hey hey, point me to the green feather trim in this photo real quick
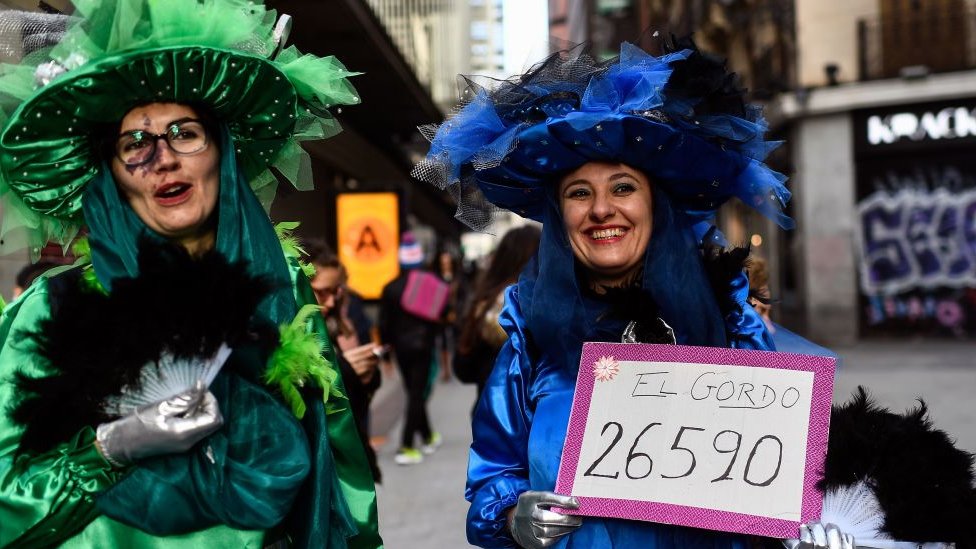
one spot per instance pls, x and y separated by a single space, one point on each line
292 247
298 360
90 282
81 249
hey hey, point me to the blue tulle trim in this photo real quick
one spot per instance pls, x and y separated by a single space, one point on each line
505 144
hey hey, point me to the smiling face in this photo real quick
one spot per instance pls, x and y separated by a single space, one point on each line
173 194
607 214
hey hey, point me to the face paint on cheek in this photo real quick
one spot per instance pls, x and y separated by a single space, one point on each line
142 162
150 165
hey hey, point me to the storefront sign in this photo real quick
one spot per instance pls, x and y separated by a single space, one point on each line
946 123
711 438
368 234
915 127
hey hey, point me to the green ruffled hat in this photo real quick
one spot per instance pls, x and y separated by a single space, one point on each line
120 53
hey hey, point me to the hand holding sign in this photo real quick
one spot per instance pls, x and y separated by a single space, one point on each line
712 438
534 525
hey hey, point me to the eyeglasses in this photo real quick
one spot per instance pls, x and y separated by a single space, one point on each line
137 147
323 293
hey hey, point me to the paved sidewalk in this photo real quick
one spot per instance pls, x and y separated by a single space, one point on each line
896 373
423 506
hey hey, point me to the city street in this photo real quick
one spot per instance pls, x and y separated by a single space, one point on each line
423 506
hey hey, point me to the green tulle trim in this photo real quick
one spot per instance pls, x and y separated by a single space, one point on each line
298 361
25 229
123 52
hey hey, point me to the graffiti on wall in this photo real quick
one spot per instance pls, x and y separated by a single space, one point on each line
917 239
918 256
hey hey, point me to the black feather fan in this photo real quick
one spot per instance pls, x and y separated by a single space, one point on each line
97 344
923 483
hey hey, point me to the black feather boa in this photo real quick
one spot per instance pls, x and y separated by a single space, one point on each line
96 344
705 79
722 267
923 483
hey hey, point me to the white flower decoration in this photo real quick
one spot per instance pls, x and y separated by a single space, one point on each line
606 368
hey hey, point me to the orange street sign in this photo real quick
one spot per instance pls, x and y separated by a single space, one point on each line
368 231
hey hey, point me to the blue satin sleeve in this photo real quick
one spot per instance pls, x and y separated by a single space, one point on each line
744 326
498 461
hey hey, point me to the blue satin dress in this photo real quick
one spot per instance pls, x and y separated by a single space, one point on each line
519 428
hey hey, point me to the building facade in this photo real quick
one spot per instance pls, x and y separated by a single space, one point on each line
883 123
435 38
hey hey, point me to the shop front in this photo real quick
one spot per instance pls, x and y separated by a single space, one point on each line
915 219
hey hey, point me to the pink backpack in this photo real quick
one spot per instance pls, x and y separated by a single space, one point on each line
425 295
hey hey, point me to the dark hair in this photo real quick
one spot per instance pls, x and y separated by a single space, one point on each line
321 256
514 251
320 253
30 272
106 134
455 261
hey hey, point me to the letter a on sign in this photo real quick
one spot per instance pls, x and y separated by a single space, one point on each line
368 228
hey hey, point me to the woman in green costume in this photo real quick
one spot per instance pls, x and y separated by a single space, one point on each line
171 388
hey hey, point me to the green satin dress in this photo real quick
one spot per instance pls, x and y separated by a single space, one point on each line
67 496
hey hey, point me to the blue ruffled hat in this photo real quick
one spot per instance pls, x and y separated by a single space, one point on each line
677 117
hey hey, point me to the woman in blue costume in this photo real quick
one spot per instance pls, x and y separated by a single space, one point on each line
155 125
624 162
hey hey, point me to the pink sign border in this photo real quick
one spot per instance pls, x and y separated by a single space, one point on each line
811 507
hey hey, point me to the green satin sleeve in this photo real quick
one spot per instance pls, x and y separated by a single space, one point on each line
50 499
44 499
354 476
53 492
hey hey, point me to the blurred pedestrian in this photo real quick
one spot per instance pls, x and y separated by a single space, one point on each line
448 268
481 336
358 358
412 339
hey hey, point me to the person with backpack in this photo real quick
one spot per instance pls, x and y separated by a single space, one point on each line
410 309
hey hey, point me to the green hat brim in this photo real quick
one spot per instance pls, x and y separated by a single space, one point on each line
48 150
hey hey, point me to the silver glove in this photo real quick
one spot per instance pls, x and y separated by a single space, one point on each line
166 427
534 526
815 535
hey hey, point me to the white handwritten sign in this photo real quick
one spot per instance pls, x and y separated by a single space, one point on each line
712 438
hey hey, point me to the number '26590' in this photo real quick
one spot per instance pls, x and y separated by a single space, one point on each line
640 465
